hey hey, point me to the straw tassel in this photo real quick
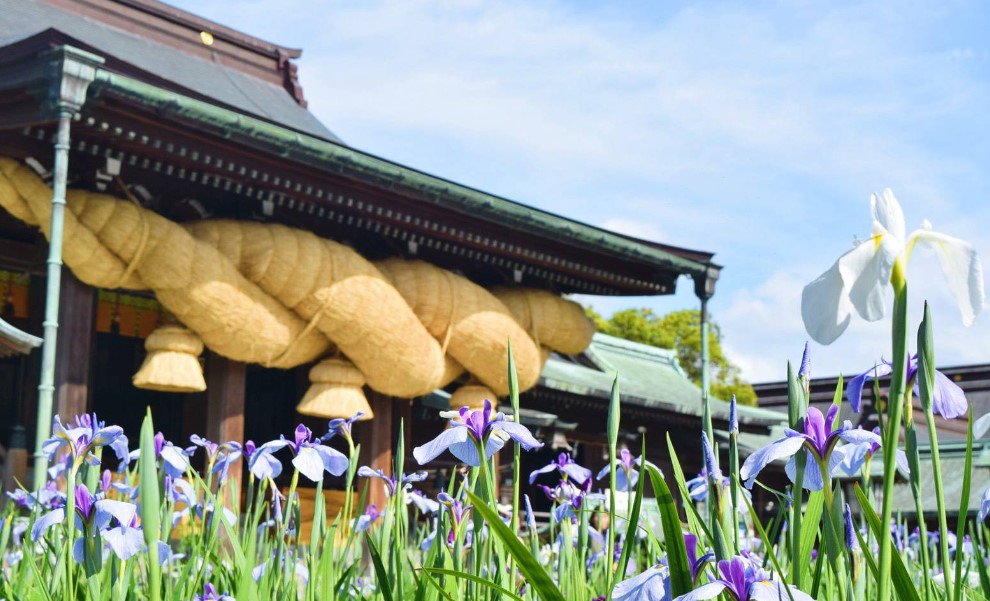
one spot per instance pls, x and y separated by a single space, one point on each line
172 364
336 390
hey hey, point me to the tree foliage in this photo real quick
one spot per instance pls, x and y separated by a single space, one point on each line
681 331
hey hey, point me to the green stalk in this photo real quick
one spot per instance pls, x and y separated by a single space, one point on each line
964 507
914 462
70 522
516 455
893 429
926 385
613 456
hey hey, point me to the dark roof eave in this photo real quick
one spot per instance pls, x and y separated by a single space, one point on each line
329 156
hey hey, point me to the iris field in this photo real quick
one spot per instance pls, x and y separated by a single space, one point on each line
154 528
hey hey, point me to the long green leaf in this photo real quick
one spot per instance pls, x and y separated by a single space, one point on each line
384 584
680 570
629 541
964 500
531 569
899 576
149 498
809 532
476 580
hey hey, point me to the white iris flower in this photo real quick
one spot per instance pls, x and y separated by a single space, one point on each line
857 281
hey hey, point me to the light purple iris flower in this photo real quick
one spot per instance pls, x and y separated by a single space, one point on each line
392 483
342 427
312 459
818 439
470 430
458 514
654 584
175 460
855 455
567 468
94 517
219 456
367 519
82 441
984 506
948 399
742 580
210 594
627 476
423 503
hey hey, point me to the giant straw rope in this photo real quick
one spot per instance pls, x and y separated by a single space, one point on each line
282 297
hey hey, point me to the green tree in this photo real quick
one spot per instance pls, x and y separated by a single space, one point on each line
681 330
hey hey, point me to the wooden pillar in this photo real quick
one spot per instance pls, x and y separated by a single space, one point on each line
77 331
225 387
376 442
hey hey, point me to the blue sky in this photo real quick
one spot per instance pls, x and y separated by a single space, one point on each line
756 130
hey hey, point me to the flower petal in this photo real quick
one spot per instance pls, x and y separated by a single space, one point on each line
705 591
854 389
123 512
888 214
984 506
46 521
961 267
778 449
309 463
825 307
124 542
865 274
651 585
546 469
431 450
520 434
768 590
334 461
949 400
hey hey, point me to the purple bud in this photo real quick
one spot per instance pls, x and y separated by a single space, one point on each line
84 502
159 444
852 542
805 371
106 481
733 416
711 462
303 435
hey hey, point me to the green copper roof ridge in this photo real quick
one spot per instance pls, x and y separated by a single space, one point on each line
328 155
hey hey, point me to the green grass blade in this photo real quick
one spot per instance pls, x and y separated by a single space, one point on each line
633 523
809 532
475 579
149 497
964 502
899 576
680 570
531 569
384 586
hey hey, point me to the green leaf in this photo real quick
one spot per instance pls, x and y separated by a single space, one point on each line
680 570
149 498
964 501
475 579
531 569
899 576
809 532
384 586
633 522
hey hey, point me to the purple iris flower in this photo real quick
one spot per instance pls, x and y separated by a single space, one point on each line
818 439
567 468
984 506
311 457
742 580
627 476
654 584
219 457
367 519
458 514
948 399
210 594
82 440
855 455
94 517
471 430
530 516
423 503
175 460
342 427
49 497
392 483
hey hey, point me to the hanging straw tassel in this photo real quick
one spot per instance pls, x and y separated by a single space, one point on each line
172 364
473 396
335 391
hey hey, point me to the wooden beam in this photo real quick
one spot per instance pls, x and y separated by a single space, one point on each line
375 437
76 335
225 387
